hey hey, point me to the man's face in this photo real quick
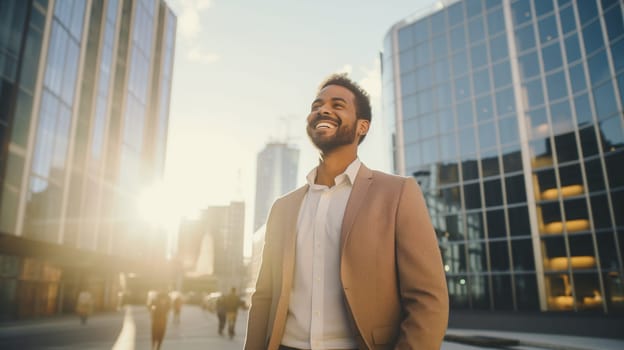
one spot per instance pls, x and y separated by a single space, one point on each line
332 120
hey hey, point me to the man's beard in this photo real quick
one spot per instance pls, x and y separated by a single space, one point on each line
344 135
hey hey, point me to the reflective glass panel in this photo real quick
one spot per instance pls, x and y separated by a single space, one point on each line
538 120
525 38
598 68
484 108
617 198
529 65
467 141
557 87
600 212
481 81
527 298
512 159
607 251
487 136
541 153
614 22
458 38
489 163
604 101
589 143
566 147
508 130
475 29
460 63
405 38
519 224
502 74
465 115
462 88
478 55
573 49
533 94
499 257
472 196
583 109
455 13
548 29
515 189
470 169
577 78
479 284
505 103
438 22
496 21
568 22
551 56
498 48
521 11
587 11
617 52
543 7
447 122
592 36
473 8
440 48
493 198
611 134
561 117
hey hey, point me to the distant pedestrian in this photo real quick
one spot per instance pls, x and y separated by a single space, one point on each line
159 308
177 308
84 306
232 302
220 308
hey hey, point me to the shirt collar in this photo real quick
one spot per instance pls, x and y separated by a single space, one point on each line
350 173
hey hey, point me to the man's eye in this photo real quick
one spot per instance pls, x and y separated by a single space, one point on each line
338 106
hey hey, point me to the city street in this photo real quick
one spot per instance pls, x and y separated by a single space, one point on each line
122 330
129 329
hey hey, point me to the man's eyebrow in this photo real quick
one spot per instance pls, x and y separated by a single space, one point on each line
333 99
339 99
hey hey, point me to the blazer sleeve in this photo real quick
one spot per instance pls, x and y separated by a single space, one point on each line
259 311
422 282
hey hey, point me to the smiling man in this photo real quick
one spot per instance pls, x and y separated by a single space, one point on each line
350 260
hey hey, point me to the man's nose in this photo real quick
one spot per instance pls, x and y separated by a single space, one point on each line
323 110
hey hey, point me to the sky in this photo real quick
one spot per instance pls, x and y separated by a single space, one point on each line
246 72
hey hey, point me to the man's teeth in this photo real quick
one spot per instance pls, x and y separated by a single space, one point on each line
324 125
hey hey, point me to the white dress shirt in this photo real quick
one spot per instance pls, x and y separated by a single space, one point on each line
317 314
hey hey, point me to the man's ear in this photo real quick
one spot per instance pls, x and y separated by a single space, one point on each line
362 127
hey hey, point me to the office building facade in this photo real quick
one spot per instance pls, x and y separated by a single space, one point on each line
276 175
85 105
510 115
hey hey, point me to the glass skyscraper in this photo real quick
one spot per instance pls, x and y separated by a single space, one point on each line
276 175
510 115
84 111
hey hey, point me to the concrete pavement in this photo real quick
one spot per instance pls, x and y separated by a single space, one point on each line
129 329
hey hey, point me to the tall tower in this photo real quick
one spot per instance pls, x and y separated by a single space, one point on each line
509 113
276 174
84 109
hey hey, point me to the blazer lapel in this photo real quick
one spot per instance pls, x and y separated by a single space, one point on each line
290 214
358 193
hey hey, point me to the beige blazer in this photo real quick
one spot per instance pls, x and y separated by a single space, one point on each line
390 268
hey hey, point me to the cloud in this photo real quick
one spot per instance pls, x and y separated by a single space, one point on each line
347 68
189 14
196 54
371 82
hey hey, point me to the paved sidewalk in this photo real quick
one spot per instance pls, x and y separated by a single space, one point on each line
533 341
